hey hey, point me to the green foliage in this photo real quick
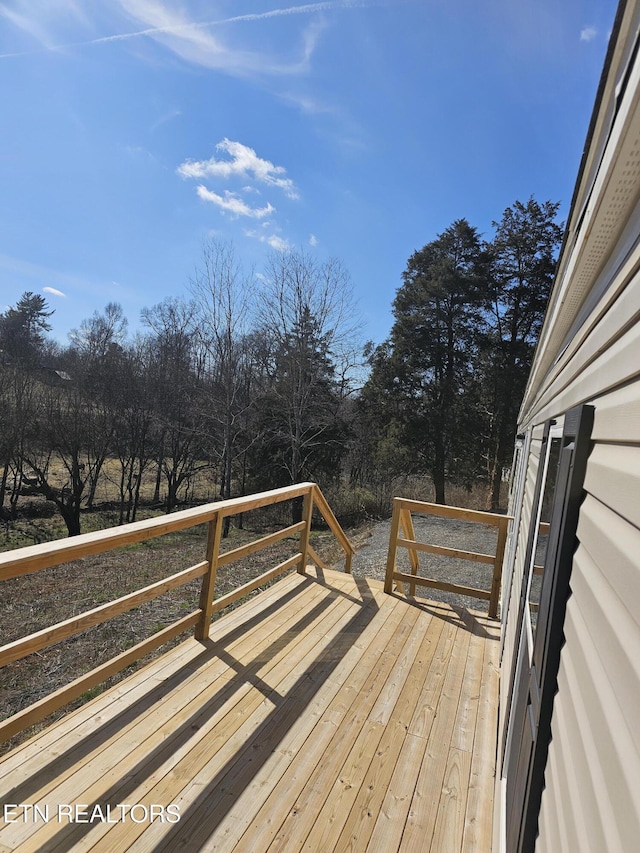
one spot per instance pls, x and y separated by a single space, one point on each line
444 389
22 329
422 379
302 434
352 504
255 393
524 259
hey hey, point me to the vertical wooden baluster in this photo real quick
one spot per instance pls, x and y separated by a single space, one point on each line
307 512
497 567
409 533
209 580
393 546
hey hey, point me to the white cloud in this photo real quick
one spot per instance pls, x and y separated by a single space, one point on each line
194 42
167 117
278 243
137 152
313 240
61 24
281 244
242 165
233 204
31 275
40 20
308 104
588 33
53 291
244 162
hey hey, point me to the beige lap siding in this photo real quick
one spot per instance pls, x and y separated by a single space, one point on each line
591 801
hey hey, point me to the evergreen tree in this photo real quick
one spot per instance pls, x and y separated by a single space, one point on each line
525 248
422 377
306 316
300 411
22 328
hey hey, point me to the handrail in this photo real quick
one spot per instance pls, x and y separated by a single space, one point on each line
36 557
46 554
19 649
402 509
327 513
446 511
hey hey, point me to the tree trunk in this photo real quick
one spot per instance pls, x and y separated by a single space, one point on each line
243 488
496 482
439 472
15 492
498 465
172 493
71 516
3 482
122 492
136 494
156 491
226 495
93 483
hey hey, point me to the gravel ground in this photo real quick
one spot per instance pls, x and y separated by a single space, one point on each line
371 558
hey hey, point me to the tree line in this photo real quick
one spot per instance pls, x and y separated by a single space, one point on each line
445 388
251 387
263 387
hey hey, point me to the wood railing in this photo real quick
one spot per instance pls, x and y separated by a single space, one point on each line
401 518
37 557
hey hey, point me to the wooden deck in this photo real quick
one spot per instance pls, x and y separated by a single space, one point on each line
322 715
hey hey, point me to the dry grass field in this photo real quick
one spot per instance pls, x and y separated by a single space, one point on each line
47 597
39 600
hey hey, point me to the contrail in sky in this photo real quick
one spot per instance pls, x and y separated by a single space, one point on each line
196 25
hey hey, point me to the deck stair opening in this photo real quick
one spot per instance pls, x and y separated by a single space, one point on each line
402 535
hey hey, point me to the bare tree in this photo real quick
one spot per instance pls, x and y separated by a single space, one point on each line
18 396
97 335
307 309
67 443
224 300
133 436
97 362
175 373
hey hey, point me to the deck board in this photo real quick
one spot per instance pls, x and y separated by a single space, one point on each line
321 715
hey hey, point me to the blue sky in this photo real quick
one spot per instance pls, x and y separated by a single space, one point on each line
131 130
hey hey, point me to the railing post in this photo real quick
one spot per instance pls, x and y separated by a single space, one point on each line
393 546
209 580
327 513
347 562
307 512
497 567
409 532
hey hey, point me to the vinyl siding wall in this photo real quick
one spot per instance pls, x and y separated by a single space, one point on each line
590 353
591 801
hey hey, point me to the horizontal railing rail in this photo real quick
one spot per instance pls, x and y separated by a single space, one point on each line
402 520
35 558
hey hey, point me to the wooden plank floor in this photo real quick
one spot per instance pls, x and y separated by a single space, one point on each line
323 715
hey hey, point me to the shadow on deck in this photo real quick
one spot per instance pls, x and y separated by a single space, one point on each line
320 715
